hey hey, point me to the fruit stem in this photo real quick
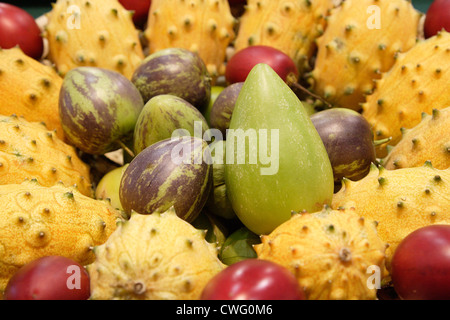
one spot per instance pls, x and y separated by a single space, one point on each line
376 143
291 81
345 255
125 148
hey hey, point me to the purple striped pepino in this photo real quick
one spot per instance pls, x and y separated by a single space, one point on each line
174 71
99 109
173 172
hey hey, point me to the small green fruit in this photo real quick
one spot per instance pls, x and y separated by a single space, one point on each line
108 186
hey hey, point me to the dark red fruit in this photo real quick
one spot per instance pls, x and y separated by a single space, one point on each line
18 28
49 278
437 18
253 279
420 266
243 61
140 8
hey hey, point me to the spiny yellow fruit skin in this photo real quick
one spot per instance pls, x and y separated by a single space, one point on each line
30 89
354 50
417 83
38 221
96 33
289 26
28 150
427 141
329 252
153 257
202 26
401 200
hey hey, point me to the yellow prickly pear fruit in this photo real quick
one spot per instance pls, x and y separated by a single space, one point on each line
289 26
401 200
427 141
30 89
417 83
38 221
28 150
153 257
96 33
333 254
202 26
361 41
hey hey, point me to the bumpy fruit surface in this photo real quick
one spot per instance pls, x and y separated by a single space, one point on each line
39 221
96 33
28 150
401 201
204 27
153 257
329 252
417 83
427 141
30 89
289 26
360 42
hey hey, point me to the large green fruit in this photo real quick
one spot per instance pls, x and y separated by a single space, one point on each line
164 114
173 172
276 162
98 109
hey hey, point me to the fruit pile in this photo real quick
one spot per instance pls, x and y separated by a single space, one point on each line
260 149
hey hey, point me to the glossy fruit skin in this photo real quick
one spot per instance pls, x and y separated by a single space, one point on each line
215 91
49 278
158 178
348 138
109 185
296 176
98 107
420 267
18 27
437 18
174 71
253 279
163 115
223 107
141 9
243 61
